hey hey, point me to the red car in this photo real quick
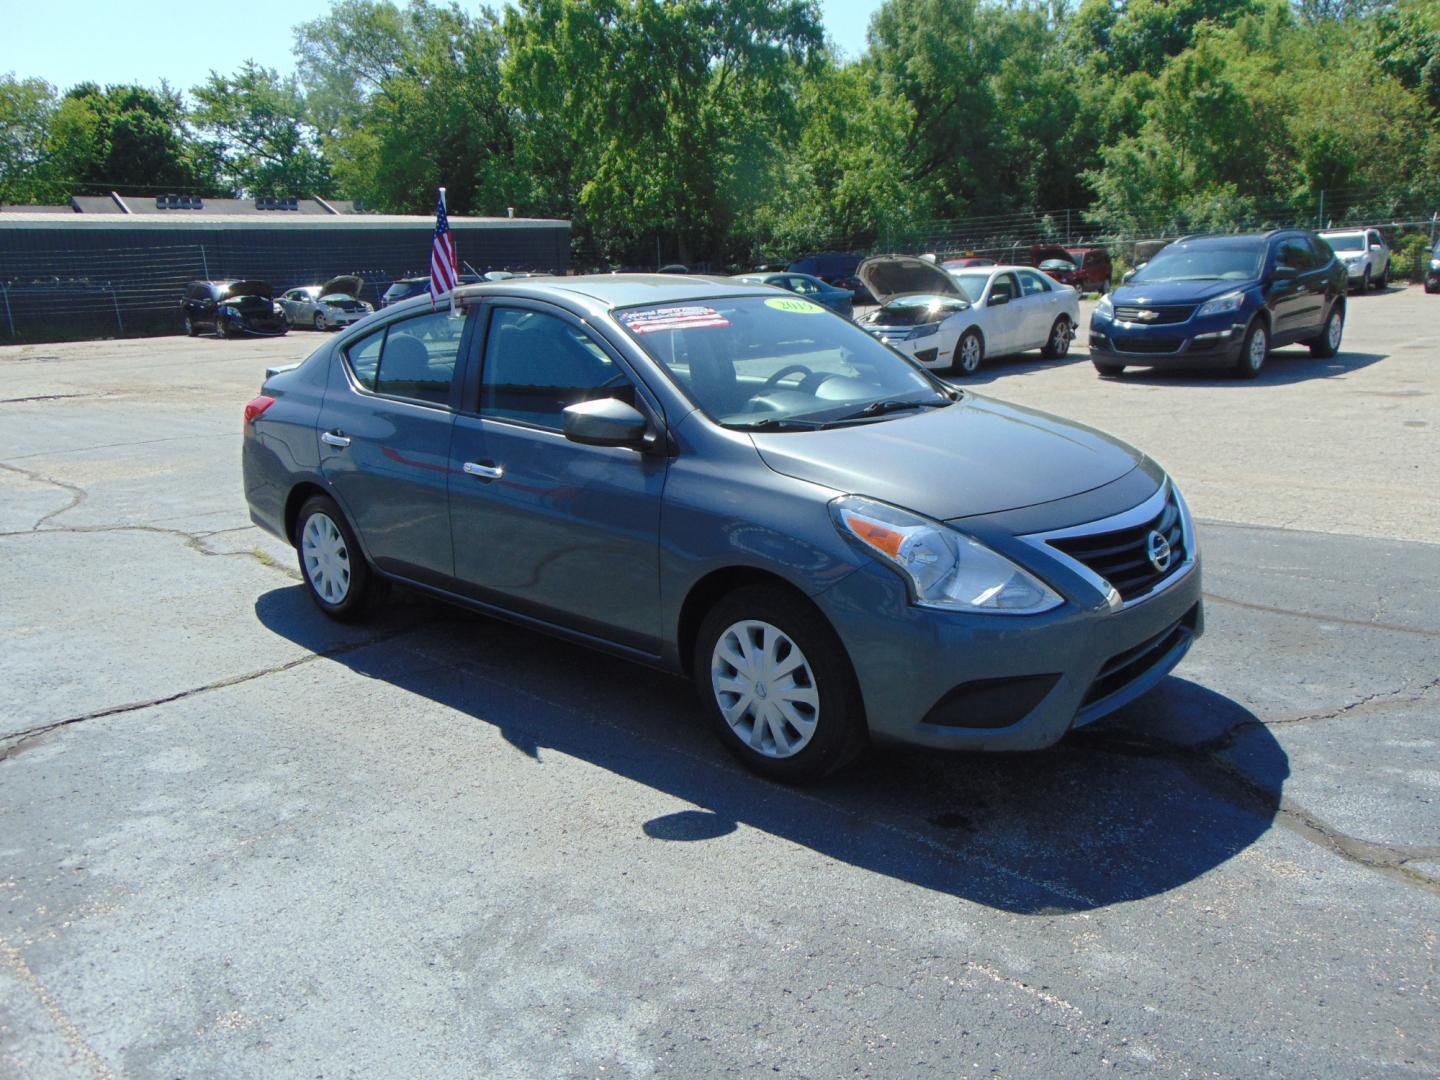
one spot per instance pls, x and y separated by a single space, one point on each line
1086 269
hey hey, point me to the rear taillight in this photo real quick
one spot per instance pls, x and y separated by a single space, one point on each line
255 407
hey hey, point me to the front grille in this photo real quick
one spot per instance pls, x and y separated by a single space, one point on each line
1122 557
1137 344
1159 316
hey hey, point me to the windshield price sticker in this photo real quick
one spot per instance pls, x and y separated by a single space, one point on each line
797 307
651 320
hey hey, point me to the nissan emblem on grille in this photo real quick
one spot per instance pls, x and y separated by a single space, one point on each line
1158 548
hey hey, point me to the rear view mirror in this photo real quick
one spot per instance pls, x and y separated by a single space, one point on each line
605 422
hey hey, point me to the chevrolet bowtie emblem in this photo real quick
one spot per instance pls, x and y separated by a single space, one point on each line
1146 316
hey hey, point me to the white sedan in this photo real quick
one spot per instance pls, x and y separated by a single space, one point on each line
328 306
954 319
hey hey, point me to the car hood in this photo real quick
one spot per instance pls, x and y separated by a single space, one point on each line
889 276
348 285
1175 292
261 289
977 456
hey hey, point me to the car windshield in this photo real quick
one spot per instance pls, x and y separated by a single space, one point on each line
1239 261
972 285
1347 242
778 363
1057 264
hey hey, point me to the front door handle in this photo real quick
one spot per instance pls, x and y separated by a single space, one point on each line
334 438
485 472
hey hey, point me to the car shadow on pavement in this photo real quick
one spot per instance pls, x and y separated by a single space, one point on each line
1166 790
997 367
1282 368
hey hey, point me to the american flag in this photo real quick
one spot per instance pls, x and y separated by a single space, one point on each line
443 260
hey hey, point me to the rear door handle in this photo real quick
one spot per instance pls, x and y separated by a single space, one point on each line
485 472
334 438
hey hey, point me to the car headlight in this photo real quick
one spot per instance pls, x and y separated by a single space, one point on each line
368 308
946 569
1105 307
1435 264
1222 305
278 308
923 330
230 311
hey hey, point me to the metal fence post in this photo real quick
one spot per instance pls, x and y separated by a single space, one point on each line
9 316
116 301
204 266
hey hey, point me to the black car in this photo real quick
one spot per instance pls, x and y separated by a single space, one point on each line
1223 301
231 308
405 288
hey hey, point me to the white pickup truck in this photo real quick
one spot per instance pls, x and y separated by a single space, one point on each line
1365 254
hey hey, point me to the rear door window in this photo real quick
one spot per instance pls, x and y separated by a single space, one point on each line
413 359
1033 284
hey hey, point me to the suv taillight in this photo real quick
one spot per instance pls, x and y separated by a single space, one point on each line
255 406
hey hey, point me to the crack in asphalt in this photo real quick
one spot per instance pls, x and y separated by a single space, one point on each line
1379 698
15 743
1339 619
47 397
195 541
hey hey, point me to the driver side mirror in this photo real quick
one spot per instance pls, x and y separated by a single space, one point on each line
996 299
605 422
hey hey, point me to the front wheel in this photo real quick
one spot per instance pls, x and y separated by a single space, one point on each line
1106 369
319 320
1365 281
1385 276
337 577
1328 343
190 328
1058 343
1253 352
778 688
969 351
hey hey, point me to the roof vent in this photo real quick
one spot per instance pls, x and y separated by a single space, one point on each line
265 202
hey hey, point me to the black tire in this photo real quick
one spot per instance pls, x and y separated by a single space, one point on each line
969 353
1251 359
191 330
364 588
1105 369
1385 277
1057 345
1365 281
1435 288
839 734
1328 343
319 320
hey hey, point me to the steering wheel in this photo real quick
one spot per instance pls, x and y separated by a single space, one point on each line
789 369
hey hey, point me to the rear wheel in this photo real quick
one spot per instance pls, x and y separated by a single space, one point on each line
969 351
1328 343
1058 344
1385 276
777 686
337 577
1253 352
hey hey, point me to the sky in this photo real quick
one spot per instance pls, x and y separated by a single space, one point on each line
66 42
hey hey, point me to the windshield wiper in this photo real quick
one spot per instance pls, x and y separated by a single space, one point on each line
887 405
780 423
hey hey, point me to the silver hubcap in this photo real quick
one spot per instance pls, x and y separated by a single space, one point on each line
1060 342
970 354
1258 345
1337 327
319 322
327 559
765 688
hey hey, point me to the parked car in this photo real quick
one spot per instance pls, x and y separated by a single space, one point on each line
835 268
1084 268
840 301
326 307
232 308
953 320
964 262
1432 271
1223 301
1365 254
405 288
740 487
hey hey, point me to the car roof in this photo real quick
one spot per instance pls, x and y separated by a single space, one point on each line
621 290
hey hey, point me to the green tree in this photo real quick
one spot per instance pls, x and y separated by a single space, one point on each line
255 124
27 107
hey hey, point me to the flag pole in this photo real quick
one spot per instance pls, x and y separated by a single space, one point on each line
454 311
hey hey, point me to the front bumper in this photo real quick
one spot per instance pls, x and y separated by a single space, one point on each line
1212 341
925 350
933 679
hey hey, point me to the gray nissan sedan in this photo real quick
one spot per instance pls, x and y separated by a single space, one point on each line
741 487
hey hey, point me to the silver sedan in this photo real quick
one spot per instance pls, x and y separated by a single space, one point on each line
328 306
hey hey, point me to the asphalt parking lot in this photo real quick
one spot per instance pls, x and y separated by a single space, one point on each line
239 840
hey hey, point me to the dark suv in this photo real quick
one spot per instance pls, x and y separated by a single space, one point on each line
1223 301
231 308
